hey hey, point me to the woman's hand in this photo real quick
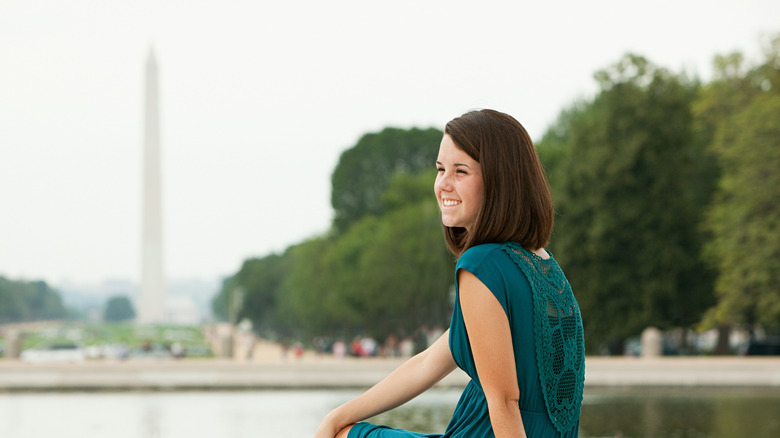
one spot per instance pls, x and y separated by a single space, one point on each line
329 428
325 431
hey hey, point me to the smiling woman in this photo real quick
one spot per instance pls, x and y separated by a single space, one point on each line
516 328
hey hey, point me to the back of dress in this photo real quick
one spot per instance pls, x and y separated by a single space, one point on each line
547 338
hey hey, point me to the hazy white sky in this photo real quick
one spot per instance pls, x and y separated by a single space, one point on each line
259 98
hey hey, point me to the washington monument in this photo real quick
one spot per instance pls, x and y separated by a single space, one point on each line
152 296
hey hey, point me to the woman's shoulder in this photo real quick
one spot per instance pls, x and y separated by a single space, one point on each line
479 253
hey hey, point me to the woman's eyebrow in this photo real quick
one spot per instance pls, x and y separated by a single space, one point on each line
439 163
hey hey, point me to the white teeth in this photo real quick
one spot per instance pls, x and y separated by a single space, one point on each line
450 202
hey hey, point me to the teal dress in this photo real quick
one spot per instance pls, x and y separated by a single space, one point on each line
547 338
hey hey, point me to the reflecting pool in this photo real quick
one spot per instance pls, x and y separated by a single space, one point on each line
681 412
678 413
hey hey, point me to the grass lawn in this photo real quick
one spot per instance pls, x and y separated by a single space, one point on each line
112 334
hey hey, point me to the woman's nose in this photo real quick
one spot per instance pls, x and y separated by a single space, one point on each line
443 182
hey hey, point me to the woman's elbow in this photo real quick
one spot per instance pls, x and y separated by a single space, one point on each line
510 399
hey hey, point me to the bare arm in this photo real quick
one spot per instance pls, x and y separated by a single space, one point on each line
491 344
412 378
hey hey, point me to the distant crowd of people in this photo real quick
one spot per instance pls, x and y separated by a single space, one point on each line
366 346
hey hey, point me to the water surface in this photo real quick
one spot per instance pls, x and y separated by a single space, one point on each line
606 413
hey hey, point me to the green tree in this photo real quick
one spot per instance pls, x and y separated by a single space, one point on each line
385 274
12 304
119 308
309 298
628 206
260 280
399 268
364 171
554 146
29 301
744 215
408 271
220 303
327 286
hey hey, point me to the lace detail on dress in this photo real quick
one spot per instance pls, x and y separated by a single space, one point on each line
558 337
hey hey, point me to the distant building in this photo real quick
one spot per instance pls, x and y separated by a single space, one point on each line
182 310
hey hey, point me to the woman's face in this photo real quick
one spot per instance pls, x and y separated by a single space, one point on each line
458 186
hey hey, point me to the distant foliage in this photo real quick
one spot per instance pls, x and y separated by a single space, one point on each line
630 186
385 274
29 301
743 108
118 309
666 193
365 170
253 293
384 268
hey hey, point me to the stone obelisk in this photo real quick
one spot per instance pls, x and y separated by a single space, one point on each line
152 295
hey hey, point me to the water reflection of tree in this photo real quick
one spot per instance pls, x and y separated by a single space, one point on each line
754 416
681 413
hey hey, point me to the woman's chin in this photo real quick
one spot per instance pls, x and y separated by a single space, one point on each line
452 224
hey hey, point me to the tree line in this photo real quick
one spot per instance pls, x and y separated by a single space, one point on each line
381 269
25 301
666 194
22 301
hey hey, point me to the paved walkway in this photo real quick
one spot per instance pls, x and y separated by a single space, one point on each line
310 373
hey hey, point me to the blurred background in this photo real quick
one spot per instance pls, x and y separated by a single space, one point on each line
295 138
296 150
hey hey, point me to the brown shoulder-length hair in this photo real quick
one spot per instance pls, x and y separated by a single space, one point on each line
517 204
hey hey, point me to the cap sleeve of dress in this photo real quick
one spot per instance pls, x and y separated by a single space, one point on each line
484 262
